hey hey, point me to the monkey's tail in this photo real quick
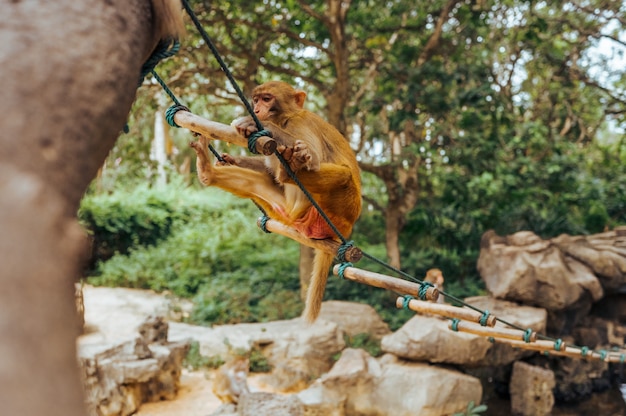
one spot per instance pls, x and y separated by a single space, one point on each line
315 294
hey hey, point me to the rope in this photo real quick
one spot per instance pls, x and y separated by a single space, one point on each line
164 49
424 290
343 249
263 224
483 319
218 57
405 302
455 325
342 269
527 335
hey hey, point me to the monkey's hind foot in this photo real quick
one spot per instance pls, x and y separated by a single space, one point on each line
203 163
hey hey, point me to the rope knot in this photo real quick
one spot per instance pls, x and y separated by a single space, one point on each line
423 292
342 268
455 325
527 335
263 224
171 112
343 249
254 137
558 344
405 302
484 317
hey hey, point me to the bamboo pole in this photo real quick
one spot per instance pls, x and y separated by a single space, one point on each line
353 254
218 131
448 311
385 282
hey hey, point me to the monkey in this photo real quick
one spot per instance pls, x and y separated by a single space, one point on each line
435 276
230 380
322 160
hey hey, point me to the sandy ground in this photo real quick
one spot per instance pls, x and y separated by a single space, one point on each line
195 398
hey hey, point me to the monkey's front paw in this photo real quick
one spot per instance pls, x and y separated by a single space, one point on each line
301 157
245 126
227 160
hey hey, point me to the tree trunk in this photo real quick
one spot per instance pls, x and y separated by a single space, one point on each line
393 221
69 75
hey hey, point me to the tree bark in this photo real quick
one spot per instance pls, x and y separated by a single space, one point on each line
69 74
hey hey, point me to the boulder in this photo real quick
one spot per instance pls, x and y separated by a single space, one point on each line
346 388
604 254
360 385
427 338
531 390
524 268
297 352
354 318
118 378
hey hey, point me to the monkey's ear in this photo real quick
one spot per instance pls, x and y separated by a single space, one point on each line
299 97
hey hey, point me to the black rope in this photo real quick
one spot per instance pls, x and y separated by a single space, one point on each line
218 57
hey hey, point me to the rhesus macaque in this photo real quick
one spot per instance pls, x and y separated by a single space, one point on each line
435 276
322 160
231 380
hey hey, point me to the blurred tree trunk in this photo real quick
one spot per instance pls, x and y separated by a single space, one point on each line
69 75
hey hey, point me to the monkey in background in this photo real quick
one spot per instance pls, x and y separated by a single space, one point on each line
231 380
435 277
323 162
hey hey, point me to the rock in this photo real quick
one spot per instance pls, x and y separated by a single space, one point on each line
354 318
427 338
577 379
531 390
536 272
346 387
154 330
297 352
269 404
359 385
119 377
612 307
604 254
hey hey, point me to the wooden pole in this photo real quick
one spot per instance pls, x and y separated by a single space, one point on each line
565 350
507 333
218 131
385 282
353 254
448 311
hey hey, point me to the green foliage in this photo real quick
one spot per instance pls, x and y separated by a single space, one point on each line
123 220
213 251
473 410
366 342
259 362
195 361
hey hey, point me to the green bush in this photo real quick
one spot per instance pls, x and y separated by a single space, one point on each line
211 250
120 221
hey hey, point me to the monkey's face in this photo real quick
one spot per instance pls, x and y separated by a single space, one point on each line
265 106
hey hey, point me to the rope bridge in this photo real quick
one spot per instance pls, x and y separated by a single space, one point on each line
414 294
